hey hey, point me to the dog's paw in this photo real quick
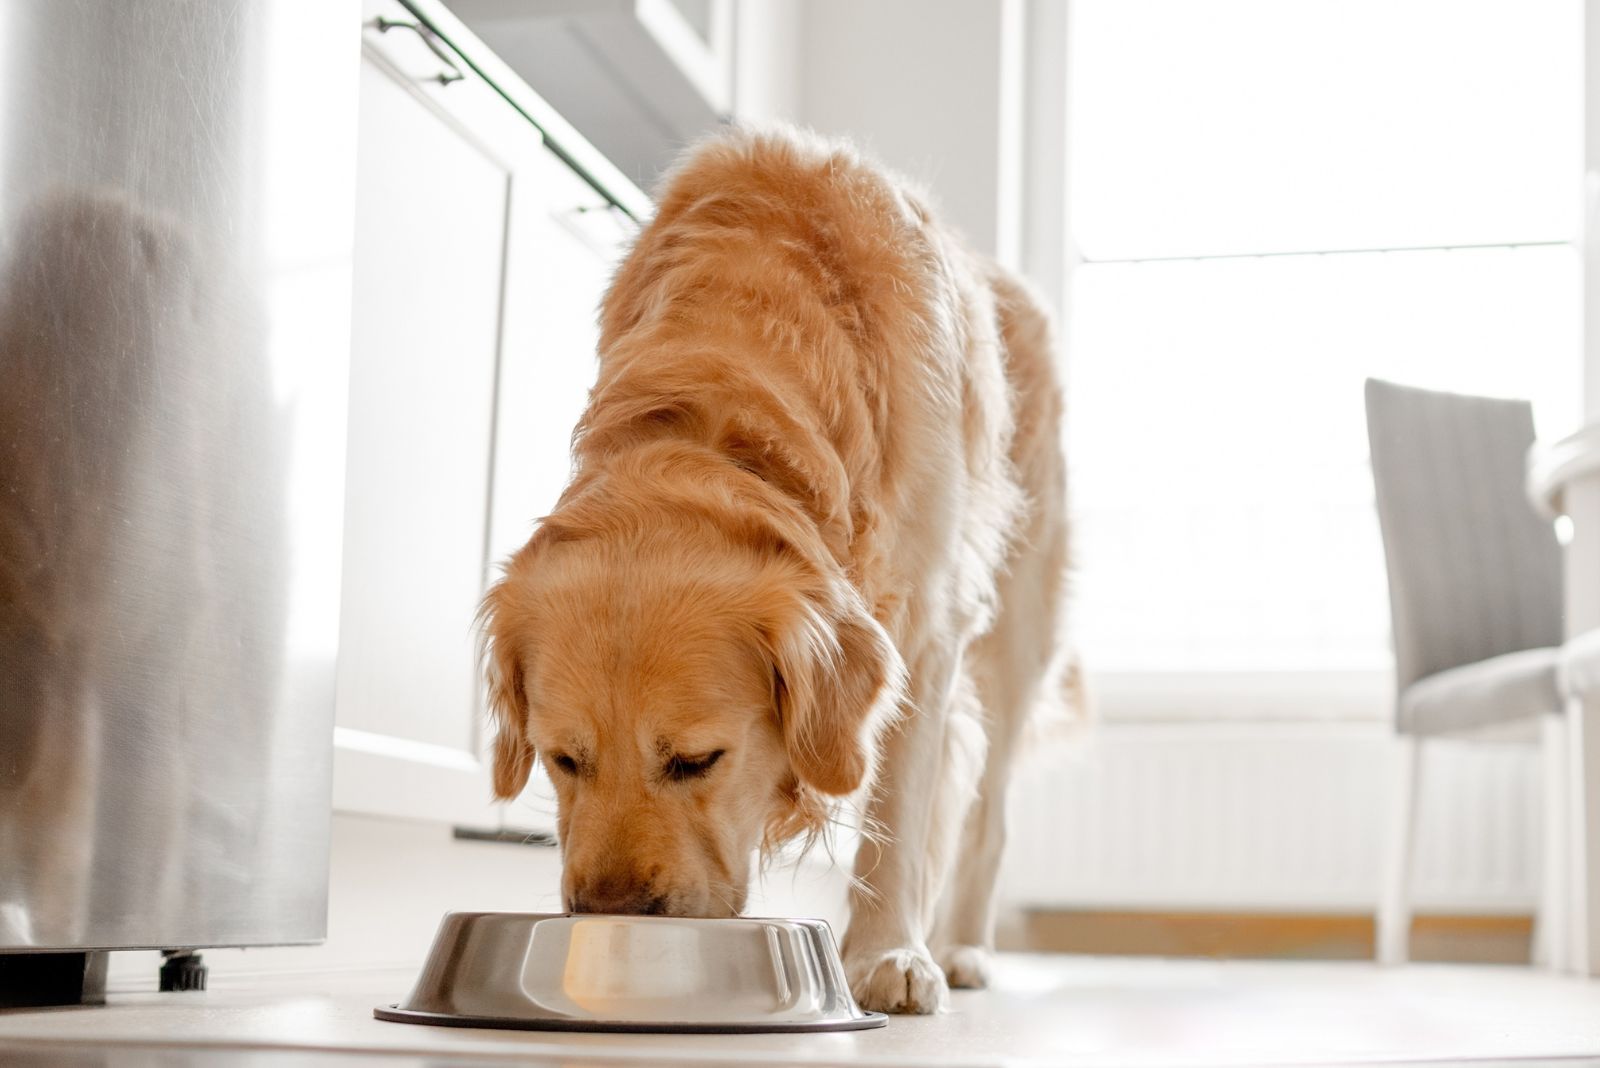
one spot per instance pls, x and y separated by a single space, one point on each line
967 967
900 980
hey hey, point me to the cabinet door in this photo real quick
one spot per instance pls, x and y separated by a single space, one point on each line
566 241
438 152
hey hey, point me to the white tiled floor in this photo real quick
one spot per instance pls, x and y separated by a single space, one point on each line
1043 1010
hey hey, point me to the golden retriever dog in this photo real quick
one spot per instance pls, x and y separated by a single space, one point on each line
814 547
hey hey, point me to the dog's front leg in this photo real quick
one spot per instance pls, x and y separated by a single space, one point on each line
930 763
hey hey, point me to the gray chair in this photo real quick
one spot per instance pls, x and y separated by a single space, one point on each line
1475 601
1579 667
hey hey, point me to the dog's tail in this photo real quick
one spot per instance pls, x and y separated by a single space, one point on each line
1062 721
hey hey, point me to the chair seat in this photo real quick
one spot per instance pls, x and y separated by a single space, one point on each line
1501 689
1579 667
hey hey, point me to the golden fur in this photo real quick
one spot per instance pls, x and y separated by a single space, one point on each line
816 525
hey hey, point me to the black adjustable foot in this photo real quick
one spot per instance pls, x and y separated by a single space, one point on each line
182 969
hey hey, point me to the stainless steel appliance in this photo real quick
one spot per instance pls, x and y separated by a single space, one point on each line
538 972
176 205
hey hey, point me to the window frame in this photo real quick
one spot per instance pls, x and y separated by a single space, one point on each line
1047 252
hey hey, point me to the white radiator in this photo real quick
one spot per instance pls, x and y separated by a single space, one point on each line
1256 816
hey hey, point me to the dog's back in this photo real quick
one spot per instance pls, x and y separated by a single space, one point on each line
801 307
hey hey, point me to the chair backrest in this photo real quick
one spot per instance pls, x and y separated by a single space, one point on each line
1473 571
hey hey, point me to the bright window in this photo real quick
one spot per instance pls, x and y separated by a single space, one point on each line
1274 201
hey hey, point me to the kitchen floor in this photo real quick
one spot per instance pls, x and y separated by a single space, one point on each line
1057 1010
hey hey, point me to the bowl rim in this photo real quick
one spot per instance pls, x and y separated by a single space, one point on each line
393 1013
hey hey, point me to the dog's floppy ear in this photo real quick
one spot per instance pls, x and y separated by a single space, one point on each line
508 697
838 679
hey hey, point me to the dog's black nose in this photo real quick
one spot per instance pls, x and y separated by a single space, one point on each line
618 898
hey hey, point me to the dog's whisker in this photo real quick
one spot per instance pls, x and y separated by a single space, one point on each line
714 892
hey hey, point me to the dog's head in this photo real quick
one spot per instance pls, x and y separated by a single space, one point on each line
693 696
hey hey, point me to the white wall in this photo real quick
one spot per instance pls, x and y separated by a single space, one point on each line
930 87
919 83
767 59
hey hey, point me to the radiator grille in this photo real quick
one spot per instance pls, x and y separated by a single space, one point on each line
1254 816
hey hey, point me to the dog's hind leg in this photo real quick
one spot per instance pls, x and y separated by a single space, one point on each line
1019 666
1015 667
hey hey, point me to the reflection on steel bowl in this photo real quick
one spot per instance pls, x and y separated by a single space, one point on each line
632 973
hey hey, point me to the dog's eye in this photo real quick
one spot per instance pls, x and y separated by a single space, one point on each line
565 763
680 768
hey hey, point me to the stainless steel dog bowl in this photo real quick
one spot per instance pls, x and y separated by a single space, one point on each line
632 973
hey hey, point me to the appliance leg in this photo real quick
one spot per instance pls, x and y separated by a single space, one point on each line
182 969
33 980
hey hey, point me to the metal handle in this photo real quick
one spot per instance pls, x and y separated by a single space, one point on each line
429 38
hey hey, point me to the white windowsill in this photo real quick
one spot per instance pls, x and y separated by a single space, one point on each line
1355 696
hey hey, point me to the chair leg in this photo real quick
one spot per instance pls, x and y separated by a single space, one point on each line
1394 907
1551 938
1583 893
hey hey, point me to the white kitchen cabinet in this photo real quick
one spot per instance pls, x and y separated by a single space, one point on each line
640 78
476 280
566 241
